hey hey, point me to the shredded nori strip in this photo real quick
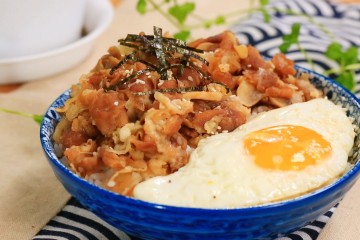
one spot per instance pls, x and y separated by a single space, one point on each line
160 49
131 56
170 54
199 71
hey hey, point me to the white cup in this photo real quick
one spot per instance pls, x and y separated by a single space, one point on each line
30 27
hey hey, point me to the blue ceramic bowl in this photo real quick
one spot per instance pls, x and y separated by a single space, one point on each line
153 221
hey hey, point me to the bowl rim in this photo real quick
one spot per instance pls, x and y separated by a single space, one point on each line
258 209
91 35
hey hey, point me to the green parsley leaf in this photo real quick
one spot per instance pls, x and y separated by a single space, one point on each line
180 12
344 58
291 38
334 52
263 3
284 47
295 32
141 6
37 118
351 56
266 15
182 35
208 24
347 79
219 20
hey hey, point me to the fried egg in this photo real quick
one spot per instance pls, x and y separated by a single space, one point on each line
277 155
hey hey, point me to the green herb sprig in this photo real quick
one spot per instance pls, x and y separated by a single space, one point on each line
348 62
293 39
346 59
37 118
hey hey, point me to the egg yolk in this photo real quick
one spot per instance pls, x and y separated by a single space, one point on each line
286 147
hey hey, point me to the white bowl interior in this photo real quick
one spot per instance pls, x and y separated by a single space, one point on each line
98 16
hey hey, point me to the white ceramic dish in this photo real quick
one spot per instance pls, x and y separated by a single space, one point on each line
98 16
37 26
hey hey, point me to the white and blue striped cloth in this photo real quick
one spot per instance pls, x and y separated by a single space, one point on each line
74 222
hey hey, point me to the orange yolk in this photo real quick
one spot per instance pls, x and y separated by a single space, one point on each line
286 147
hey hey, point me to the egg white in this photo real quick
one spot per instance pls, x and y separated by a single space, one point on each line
221 175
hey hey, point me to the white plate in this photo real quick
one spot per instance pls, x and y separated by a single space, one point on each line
98 17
